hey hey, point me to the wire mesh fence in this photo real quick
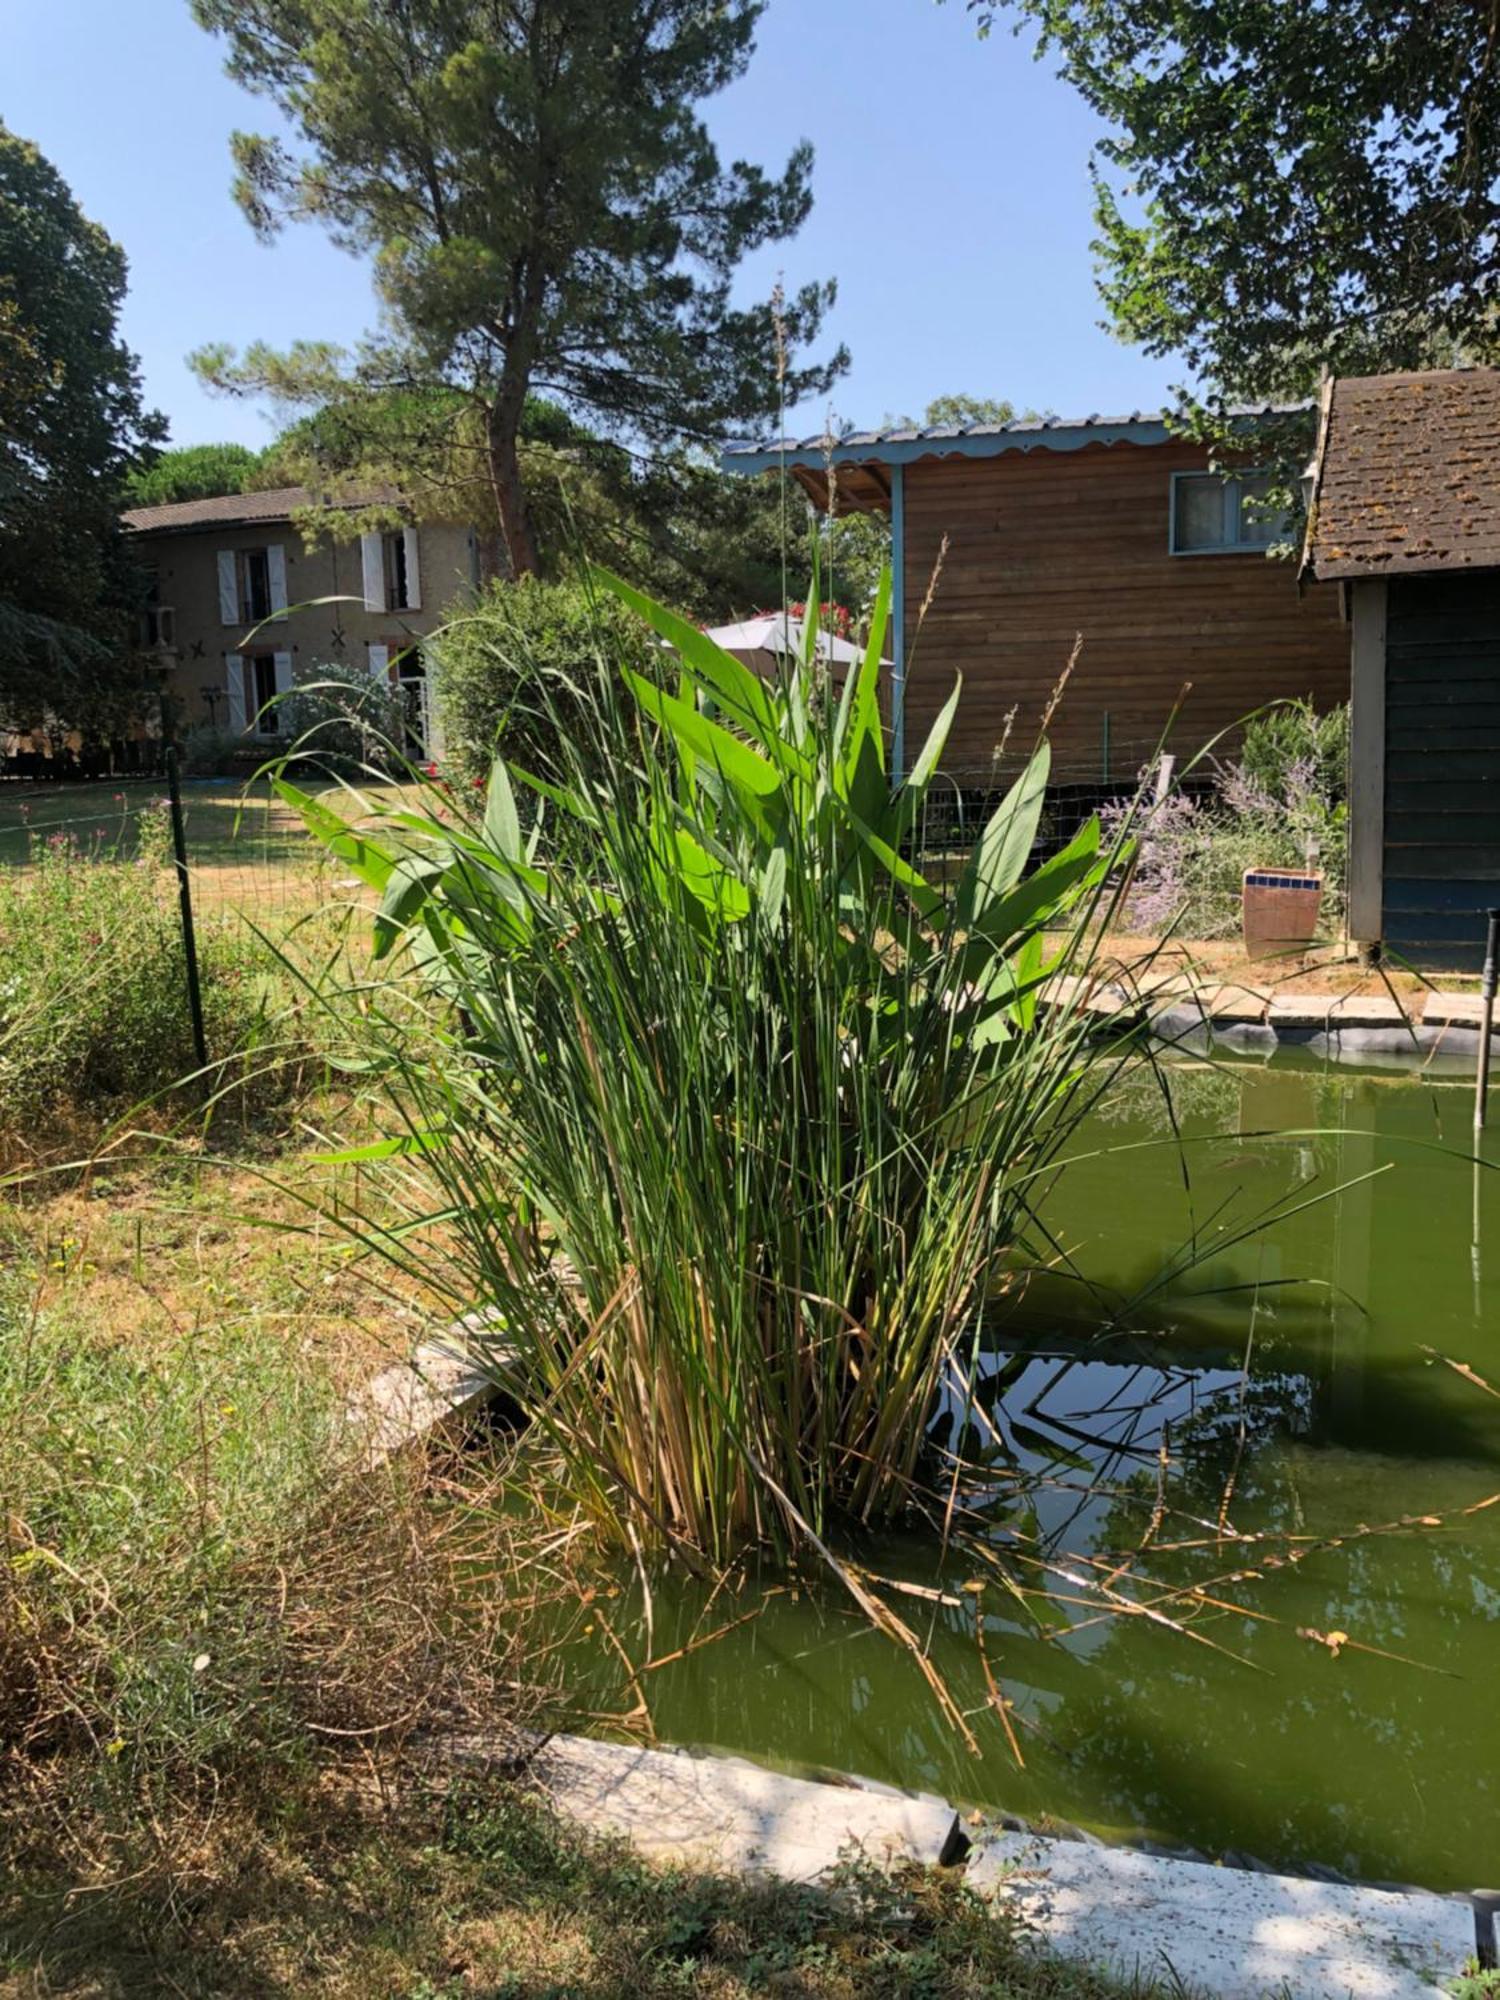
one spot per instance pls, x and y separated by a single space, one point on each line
254 873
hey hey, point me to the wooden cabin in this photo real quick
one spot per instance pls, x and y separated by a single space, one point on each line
1405 521
1031 536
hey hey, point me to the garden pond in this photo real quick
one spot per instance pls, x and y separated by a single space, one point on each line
1296 1417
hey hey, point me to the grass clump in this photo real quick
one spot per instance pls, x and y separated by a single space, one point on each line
729 1120
476 1890
202 1593
93 993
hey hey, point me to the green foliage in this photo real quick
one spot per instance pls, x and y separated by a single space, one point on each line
544 206
341 714
93 994
522 669
71 425
1292 748
1341 216
1282 804
192 472
1286 190
732 1115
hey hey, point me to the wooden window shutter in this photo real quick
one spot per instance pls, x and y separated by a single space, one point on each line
229 589
283 673
234 681
409 541
380 662
372 556
276 573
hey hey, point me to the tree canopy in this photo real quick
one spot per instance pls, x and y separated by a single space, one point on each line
192 472
545 209
1288 189
72 424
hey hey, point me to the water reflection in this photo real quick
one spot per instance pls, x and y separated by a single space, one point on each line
1288 1390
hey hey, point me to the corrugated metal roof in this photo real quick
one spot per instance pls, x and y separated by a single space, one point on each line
277 503
975 440
1408 475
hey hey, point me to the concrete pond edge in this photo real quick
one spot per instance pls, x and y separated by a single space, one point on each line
1225 1929
1437 1032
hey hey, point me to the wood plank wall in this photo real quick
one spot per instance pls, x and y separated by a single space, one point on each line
1442 766
1044 545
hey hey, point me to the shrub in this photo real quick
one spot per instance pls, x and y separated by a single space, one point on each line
343 715
1282 804
93 979
522 666
211 752
731 1118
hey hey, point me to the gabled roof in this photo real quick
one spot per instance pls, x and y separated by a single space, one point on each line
860 458
1408 475
232 510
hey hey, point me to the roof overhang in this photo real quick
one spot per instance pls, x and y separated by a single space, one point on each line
855 470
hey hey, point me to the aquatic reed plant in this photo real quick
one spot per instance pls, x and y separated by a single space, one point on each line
721 1121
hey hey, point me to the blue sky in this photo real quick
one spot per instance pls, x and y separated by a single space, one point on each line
951 182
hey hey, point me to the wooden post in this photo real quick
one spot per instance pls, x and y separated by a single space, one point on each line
1367 765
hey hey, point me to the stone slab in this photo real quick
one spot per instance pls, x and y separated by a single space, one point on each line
1335 1010
724 1813
1227 1005
1227 1932
409 1401
1456 1010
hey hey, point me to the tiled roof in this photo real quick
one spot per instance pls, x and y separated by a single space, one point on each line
278 503
1408 475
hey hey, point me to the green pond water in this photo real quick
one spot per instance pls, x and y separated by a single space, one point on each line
1384 1768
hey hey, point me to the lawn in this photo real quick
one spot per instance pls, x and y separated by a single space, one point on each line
214 1808
246 849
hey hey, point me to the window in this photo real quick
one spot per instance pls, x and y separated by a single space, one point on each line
397 583
260 672
158 620
253 574
1214 515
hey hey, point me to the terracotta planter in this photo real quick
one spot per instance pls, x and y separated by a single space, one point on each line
1280 910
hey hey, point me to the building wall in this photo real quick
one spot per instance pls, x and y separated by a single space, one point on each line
314 633
1441 817
1045 547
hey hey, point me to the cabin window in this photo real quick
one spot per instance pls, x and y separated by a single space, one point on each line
1216 516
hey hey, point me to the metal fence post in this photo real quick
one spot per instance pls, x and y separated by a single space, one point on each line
1486 1019
185 904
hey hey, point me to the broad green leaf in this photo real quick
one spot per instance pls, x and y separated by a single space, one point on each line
502 823
1003 849
736 686
731 758
937 741
368 861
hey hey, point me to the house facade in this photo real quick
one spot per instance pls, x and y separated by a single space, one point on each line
1014 543
1405 523
240 606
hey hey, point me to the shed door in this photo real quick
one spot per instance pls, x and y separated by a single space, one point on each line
1442 767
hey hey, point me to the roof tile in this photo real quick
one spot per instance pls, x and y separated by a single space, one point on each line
1402 484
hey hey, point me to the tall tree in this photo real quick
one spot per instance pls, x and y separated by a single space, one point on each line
1289 188
71 425
545 209
192 472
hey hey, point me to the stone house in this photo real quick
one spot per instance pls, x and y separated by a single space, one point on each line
239 605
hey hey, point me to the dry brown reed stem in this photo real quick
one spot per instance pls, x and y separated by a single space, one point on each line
932 583
1054 700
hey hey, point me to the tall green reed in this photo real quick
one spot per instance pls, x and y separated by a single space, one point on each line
723 1121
